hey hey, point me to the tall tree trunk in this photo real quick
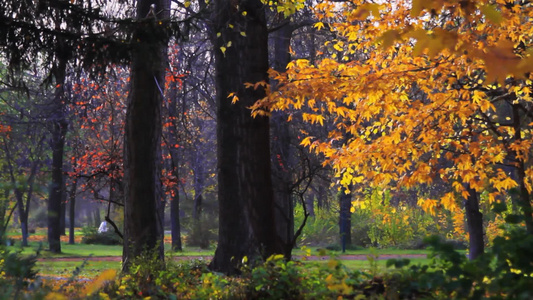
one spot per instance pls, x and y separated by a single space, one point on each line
281 148
345 220
59 132
4 195
142 222
72 211
54 200
175 225
246 206
175 222
474 220
63 214
524 196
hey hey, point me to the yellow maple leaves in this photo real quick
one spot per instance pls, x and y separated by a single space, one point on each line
426 84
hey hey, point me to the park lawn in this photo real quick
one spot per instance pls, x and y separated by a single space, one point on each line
66 269
367 251
91 268
380 266
85 250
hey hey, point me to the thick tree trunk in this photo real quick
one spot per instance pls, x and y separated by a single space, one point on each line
142 222
474 220
246 206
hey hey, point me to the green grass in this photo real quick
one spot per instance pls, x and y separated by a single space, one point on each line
66 268
365 265
84 250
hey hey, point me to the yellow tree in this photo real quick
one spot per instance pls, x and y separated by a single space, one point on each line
414 84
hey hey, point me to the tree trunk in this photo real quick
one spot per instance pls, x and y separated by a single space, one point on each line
246 206
142 222
97 219
54 201
63 214
199 182
281 148
474 220
175 222
72 211
345 220
525 197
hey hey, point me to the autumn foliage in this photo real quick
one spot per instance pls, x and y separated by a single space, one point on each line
419 91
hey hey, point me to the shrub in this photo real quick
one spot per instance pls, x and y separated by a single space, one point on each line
92 236
16 273
320 230
503 272
201 233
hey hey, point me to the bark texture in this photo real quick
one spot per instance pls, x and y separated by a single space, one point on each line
246 206
474 220
142 221
281 148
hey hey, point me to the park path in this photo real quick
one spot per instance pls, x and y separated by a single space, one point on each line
208 257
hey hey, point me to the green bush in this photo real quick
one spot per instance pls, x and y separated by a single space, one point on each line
17 273
90 235
503 272
320 230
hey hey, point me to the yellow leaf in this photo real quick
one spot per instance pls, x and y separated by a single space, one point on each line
223 49
99 282
416 8
306 141
187 3
389 38
318 25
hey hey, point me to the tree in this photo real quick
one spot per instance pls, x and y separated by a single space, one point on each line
412 85
246 208
143 196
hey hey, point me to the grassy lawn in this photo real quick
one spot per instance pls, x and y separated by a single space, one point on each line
89 269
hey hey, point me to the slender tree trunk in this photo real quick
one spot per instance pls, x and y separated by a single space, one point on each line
3 210
246 206
175 222
142 203
63 214
54 201
97 219
310 203
199 179
474 220
345 220
72 211
524 197
281 149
